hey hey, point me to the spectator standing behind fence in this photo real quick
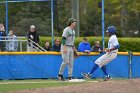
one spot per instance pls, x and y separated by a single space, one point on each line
32 35
47 46
2 34
84 46
57 46
97 47
11 43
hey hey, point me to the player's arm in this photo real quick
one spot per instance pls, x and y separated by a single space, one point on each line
116 47
64 37
63 43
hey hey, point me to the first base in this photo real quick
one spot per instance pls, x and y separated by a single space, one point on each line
76 80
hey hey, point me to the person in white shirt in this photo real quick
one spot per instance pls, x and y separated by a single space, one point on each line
111 54
12 42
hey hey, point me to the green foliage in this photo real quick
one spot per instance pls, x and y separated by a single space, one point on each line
124 14
126 44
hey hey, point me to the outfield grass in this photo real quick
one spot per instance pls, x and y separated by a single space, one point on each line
13 85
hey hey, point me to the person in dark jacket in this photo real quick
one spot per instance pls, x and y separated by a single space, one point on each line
47 46
97 47
32 35
57 46
2 34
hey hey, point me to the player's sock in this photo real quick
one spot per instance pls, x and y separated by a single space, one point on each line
94 68
104 70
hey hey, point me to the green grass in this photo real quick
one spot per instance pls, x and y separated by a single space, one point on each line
13 85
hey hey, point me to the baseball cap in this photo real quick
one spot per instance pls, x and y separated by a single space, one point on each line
71 20
32 26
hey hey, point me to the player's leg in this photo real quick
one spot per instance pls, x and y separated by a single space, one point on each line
87 75
107 76
65 58
70 65
103 68
105 60
62 67
97 64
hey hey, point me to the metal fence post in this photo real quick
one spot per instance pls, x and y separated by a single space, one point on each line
130 64
20 46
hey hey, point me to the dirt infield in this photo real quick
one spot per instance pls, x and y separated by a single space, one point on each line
112 86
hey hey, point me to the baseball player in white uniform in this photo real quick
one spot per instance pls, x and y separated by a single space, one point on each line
67 49
111 54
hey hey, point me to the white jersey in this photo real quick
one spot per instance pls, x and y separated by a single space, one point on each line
113 41
70 36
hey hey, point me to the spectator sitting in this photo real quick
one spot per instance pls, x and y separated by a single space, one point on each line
12 43
57 46
97 47
84 46
47 46
2 34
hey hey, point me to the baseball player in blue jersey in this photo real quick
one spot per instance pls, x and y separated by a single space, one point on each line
111 54
67 49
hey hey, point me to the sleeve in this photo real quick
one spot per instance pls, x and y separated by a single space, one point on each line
94 50
64 36
115 43
28 36
4 33
65 33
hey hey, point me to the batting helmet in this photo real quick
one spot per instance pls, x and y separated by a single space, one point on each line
71 20
111 29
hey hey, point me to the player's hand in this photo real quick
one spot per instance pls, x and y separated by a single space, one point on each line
74 49
75 54
87 51
106 50
31 36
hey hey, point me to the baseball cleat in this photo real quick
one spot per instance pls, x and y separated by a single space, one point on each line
107 78
69 78
60 77
86 75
